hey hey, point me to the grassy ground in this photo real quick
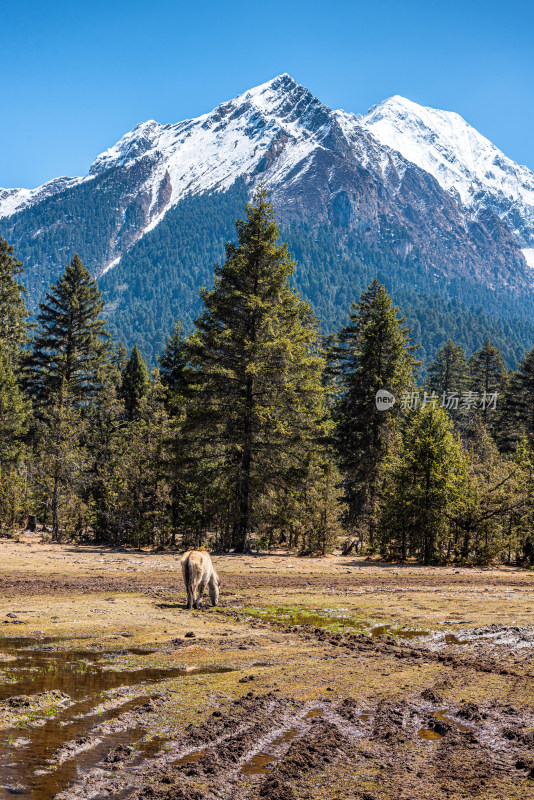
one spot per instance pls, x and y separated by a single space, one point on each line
338 667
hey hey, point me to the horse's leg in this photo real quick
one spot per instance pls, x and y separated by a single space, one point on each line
201 588
189 597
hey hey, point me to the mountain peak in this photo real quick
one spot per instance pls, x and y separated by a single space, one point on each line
277 96
462 160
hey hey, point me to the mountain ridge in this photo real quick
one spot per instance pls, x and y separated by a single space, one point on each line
348 203
422 135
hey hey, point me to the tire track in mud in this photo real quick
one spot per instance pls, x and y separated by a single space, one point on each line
262 747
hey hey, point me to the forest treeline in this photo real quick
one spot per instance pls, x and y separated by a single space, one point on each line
257 431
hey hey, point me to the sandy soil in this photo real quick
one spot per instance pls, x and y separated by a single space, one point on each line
343 678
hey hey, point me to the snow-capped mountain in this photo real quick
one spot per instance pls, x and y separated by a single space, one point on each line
352 198
281 134
278 118
464 162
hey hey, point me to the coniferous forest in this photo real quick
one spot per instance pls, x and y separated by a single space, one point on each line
257 431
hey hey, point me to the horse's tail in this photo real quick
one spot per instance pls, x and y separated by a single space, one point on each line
187 573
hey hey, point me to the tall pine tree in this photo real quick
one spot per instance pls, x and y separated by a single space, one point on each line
173 363
135 383
13 313
256 397
449 372
71 347
516 413
373 352
14 419
424 484
488 378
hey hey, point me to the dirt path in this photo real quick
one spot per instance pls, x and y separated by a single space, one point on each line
315 678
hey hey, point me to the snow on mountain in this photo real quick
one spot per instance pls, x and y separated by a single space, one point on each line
13 200
374 175
465 163
210 152
284 123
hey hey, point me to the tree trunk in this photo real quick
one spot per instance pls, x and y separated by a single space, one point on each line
242 527
55 505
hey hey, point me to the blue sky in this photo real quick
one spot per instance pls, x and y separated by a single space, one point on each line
76 76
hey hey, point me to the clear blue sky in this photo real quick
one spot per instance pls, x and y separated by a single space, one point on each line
76 76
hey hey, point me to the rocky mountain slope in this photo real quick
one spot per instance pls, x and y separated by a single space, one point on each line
465 163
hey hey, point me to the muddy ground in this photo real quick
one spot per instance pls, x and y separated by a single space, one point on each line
315 678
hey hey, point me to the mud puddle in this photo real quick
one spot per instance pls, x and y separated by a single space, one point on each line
436 731
400 633
262 762
55 700
445 716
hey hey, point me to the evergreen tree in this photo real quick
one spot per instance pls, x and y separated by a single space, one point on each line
449 372
424 485
13 313
493 501
132 497
71 347
255 393
14 418
523 518
322 507
62 466
119 357
516 414
373 353
14 414
135 383
173 362
488 378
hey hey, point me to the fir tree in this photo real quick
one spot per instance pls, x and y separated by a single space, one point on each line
255 393
373 353
13 313
14 418
135 383
449 372
173 362
493 500
322 507
14 414
488 377
516 414
62 465
132 494
424 483
119 357
71 347
523 518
